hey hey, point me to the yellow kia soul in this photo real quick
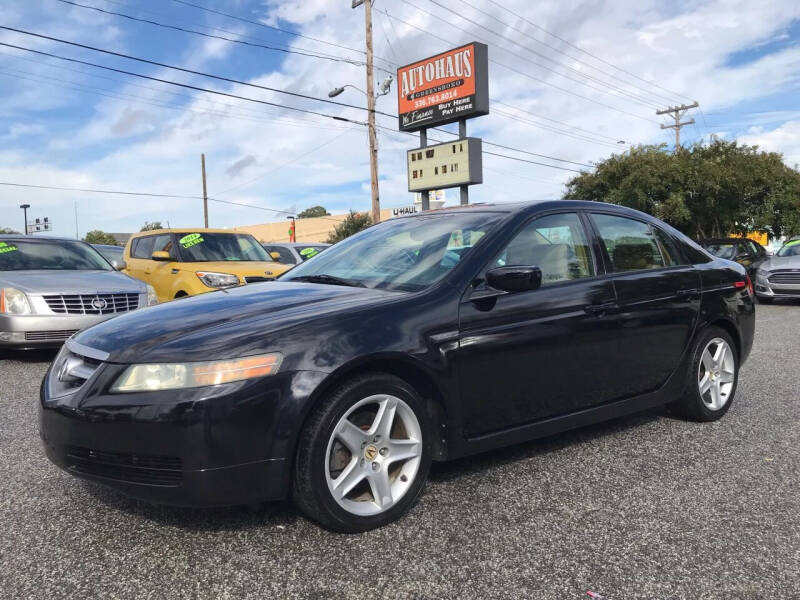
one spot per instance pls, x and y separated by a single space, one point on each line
185 262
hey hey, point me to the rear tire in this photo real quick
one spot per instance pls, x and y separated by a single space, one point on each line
712 377
363 455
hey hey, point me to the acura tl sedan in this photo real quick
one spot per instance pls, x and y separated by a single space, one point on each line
423 338
50 288
779 276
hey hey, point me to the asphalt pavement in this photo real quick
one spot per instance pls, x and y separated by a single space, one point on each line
647 507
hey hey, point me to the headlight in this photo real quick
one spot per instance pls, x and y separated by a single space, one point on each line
14 302
152 298
762 272
149 378
218 280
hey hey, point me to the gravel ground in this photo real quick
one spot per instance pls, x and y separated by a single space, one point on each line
645 507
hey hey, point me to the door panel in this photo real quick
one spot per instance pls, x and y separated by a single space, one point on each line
530 355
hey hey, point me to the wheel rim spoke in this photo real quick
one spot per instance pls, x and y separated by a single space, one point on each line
705 384
349 478
708 360
351 436
719 355
384 419
726 377
402 450
381 488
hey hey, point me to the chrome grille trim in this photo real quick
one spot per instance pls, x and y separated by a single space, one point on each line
92 304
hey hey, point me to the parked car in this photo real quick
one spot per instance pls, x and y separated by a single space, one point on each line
746 252
113 254
185 262
779 276
429 337
293 253
51 287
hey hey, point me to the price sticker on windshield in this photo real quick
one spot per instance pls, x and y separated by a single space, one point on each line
5 248
190 240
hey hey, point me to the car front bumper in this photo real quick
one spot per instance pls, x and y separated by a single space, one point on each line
776 290
43 331
216 446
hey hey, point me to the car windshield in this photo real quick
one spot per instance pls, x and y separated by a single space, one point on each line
721 249
790 249
203 246
406 254
307 252
111 253
24 255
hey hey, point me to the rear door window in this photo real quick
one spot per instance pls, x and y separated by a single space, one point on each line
285 255
143 247
631 244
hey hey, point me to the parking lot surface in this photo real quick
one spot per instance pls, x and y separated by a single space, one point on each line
647 507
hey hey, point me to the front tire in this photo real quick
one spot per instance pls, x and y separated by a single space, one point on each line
364 454
712 379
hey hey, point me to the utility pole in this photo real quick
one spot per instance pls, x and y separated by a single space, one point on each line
205 194
77 237
373 140
25 208
677 112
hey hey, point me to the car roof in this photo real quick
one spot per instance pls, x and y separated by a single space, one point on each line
186 230
532 206
296 244
33 238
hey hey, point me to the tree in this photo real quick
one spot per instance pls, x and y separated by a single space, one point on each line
99 237
148 226
353 223
7 230
707 190
314 211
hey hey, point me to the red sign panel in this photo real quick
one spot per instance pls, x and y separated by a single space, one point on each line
444 88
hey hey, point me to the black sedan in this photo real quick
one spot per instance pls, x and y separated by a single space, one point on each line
423 338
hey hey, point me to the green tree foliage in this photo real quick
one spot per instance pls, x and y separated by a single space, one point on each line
353 223
100 237
148 226
314 211
707 190
7 230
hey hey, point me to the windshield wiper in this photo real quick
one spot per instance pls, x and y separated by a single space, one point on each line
328 279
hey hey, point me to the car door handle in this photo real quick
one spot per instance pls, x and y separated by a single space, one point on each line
598 310
175 271
688 294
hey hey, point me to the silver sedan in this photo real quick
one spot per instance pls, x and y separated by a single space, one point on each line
779 276
51 288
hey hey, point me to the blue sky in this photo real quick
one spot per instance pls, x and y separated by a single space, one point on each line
564 80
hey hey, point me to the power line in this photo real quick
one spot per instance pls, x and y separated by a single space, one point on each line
579 49
182 69
527 75
559 51
209 35
621 92
175 83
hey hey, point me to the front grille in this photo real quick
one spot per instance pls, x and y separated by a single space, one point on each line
70 372
785 277
91 304
256 279
132 468
48 336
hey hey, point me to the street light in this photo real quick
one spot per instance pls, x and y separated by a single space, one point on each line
385 88
25 208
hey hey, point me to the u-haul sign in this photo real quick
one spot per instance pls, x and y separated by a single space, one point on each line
444 88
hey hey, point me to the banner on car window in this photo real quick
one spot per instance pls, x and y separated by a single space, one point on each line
444 88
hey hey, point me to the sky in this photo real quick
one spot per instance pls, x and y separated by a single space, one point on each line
570 80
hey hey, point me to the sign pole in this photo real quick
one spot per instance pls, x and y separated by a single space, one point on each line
426 195
462 134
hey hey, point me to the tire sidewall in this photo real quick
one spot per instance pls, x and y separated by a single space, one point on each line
702 409
346 398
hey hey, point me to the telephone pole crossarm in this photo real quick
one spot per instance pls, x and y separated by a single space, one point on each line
676 113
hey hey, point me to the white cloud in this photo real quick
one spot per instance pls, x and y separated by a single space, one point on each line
784 139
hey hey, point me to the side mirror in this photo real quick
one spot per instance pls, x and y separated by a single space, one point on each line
119 265
161 255
275 255
515 278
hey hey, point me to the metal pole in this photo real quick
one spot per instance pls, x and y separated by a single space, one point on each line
77 236
205 195
373 141
25 208
464 189
426 195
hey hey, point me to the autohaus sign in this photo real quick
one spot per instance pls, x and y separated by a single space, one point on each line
444 88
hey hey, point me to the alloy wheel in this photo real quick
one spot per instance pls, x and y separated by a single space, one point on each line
716 374
373 455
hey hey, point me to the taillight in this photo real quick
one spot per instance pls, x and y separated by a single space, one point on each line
747 283
750 289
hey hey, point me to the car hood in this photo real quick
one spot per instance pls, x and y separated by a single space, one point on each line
242 268
71 282
222 324
775 263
